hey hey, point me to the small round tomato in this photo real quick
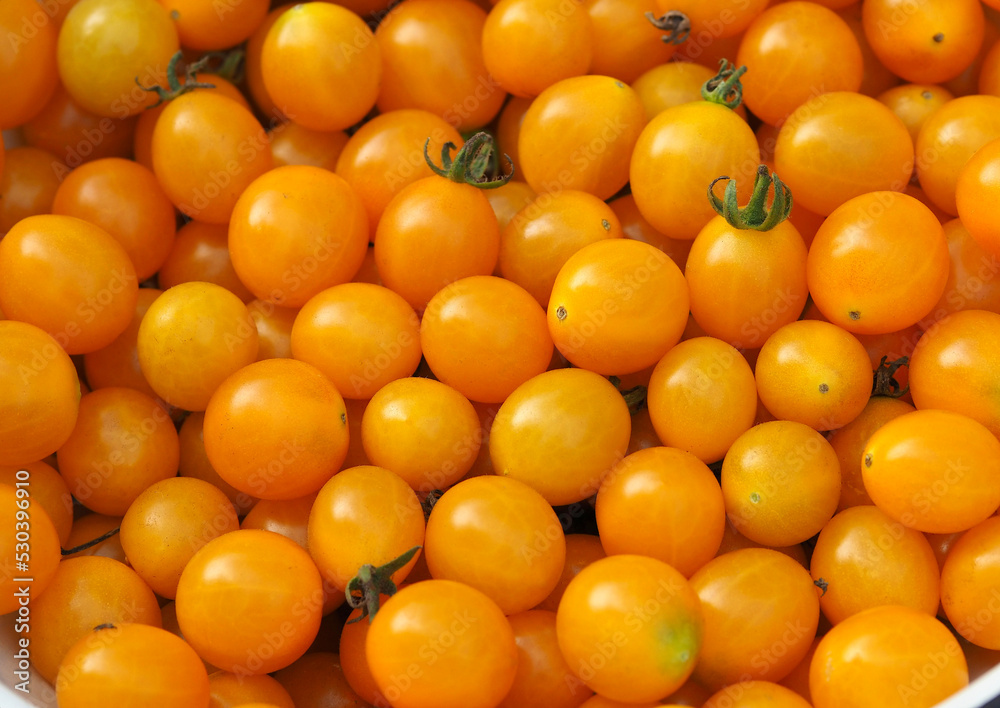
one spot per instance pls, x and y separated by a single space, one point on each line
499 536
317 680
865 559
972 277
92 526
560 433
623 45
321 66
969 579
701 397
191 338
194 462
353 662
934 471
124 441
928 41
663 503
439 642
849 444
767 641
914 103
544 234
201 253
28 75
292 144
948 138
102 63
543 679
288 517
881 657
32 535
28 184
361 336
671 84
756 694
815 373
432 59
579 134
167 524
507 200
617 306
528 45
235 598
978 187
229 689
276 429
423 430
131 663
84 593
581 551
363 516
719 18
209 27
840 145
123 198
793 52
69 278
254 71
635 227
952 367
48 491
485 336
207 149
641 617
41 398
878 264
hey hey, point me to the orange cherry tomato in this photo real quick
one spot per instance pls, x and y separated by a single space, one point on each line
733 540
41 394
353 662
48 491
293 144
793 52
499 536
635 226
236 598
671 84
877 78
878 264
83 594
508 131
581 551
207 149
719 18
28 184
701 397
232 690
617 306
972 278
432 59
841 145
756 694
124 441
28 75
124 199
361 336
977 187
648 638
31 545
528 45
663 503
191 338
321 66
781 483
288 517
969 580
364 515
92 526
507 200
209 28
276 429
881 656
317 680
766 643
928 41
89 283
560 433
194 462
423 430
849 444
485 336
933 471
579 134
914 103
201 253
623 45
543 678
948 138
544 234
253 68
866 559
118 664
414 666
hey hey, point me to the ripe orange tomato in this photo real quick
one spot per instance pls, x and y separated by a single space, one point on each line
581 551
237 690
201 253
671 84
972 282
316 680
977 187
635 227
719 18
914 103
276 429
203 27
41 394
194 462
28 184
48 491
617 306
30 544
543 679
623 46
643 644
28 75
292 144
756 694
439 642
934 471
321 66
969 580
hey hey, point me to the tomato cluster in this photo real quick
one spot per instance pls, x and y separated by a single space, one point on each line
500 353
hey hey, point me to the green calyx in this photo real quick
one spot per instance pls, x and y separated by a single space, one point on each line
725 88
174 86
365 588
471 164
675 26
755 215
884 382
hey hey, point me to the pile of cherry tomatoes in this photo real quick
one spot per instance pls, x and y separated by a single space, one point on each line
528 353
